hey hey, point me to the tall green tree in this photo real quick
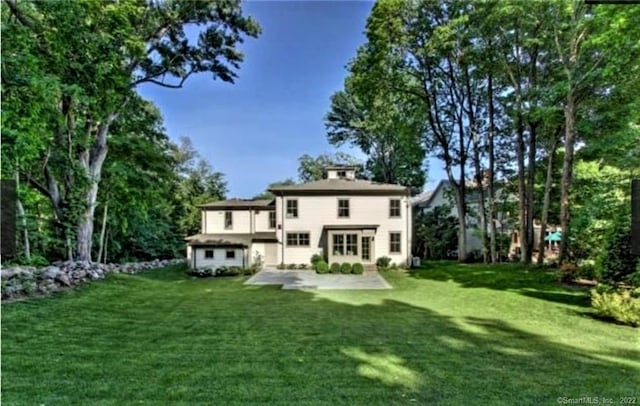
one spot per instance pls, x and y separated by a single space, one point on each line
93 55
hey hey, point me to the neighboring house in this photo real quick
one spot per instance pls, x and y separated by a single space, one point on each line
443 194
342 218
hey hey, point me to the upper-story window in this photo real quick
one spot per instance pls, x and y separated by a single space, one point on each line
228 220
272 219
292 208
343 207
394 208
342 174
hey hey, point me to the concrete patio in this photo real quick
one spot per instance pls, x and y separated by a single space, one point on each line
308 279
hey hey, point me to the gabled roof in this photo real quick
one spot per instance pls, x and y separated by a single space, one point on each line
338 186
427 197
230 240
264 204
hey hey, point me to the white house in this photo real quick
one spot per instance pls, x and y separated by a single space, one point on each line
342 218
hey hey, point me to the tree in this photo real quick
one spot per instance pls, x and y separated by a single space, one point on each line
436 231
310 168
94 54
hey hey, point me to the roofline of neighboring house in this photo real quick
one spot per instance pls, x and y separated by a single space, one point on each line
240 205
340 192
428 201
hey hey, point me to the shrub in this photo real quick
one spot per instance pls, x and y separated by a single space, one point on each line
322 267
587 271
201 272
345 268
568 272
280 266
315 258
357 268
222 271
303 266
335 268
291 266
382 263
474 257
621 306
619 263
234 270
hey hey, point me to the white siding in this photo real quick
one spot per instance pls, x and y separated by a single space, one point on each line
219 257
314 212
261 221
215 222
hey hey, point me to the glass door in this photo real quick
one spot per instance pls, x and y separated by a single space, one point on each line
366 248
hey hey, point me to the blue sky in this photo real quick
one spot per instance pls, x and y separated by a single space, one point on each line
254 131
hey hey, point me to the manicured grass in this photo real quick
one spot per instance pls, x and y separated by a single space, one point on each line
452 334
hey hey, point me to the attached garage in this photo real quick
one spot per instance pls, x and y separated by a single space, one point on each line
216 250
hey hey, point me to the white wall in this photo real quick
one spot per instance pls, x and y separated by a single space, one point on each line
219 258
316 211
243 223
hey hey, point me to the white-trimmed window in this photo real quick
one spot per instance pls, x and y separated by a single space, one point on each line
394 208
395 243
343 208
228 220
345 244
272 219
292 208
208 254
231 254
298 240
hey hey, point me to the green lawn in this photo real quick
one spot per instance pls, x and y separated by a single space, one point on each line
452 334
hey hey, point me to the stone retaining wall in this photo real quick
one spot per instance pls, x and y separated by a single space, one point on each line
25 281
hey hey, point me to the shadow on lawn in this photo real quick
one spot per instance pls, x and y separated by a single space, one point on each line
531 282
254 344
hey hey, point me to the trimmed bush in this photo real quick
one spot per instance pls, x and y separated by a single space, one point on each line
291 266
315 258
280 266
322 267
303 266
621 306
357 268
335 268
345 268
382 263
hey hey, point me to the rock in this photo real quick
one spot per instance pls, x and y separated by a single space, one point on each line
63 279
8 273
51 272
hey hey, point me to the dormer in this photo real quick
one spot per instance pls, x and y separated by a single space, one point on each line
341 172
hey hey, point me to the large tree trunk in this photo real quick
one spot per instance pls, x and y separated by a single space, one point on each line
25 231
546 201
531 178
103 232
567 174
522 192
91 162
492 163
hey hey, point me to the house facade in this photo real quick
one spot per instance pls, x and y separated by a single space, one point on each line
342 218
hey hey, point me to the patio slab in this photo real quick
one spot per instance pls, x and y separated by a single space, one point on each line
309 280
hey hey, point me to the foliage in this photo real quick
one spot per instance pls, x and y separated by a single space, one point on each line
335 268
303 266
281 266
618 263
568 272
291 266
345 268
382 263
322 267
436 232
312 169
620 305
315 259
357 268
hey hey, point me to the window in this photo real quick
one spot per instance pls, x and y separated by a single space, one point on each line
228 220
345 244
292 208
272 219
342 174
394 243
343 208
298 239
338 244
352 244
394 208
231 254
208 254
